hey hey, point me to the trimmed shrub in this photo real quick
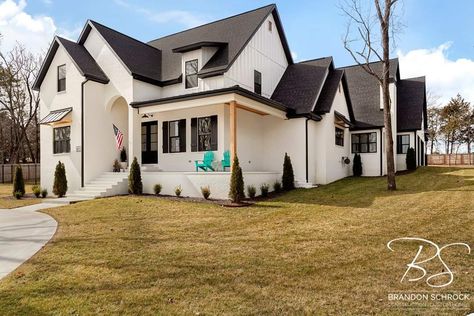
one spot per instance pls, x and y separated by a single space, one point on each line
236 192
123 155
18 182
277 186
36 190
116 166
357 166
18 195
135 185
44 193
60 181
178 190
411 159
288 178
206 192
157 189
251 191
264 190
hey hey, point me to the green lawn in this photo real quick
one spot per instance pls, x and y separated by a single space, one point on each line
319 251
8 201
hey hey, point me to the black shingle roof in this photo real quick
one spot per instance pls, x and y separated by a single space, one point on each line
411 98
235 32
301 84
84 62
142 60
328 92
364 91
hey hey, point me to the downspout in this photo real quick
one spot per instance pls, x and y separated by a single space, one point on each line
306 144
82 131
416 152
381 152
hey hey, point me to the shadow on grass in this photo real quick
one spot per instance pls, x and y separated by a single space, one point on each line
361 192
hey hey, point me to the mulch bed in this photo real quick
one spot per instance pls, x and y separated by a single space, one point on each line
27 196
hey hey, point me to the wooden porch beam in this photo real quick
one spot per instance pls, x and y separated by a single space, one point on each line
233 131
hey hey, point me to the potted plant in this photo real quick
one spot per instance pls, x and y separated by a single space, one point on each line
123 159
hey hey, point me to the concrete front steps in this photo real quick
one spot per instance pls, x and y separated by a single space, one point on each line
107 184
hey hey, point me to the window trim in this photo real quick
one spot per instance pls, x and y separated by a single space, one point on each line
368 143
199 149
186 75
170 150
336 128
400 144
58 80
257 84
67 142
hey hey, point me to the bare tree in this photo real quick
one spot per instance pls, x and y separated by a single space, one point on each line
18 69
434 120
372 33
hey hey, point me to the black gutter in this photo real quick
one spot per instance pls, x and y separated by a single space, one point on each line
381 152
192 96
306 143
310 116
82 131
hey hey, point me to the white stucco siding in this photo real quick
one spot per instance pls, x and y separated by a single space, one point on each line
263 53
282 136
51 100
121 82
250 140
370 161
143 91
400 159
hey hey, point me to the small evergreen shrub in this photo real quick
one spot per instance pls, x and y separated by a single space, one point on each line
18 195
236 192
288 178
357 166
123 155
206 192
411 159
264 190
251 191
157 189
60 181
277 186
135 185
36 189
178 190
116 166
44 193
18 182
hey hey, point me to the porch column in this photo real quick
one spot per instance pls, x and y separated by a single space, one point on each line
134 135
233 131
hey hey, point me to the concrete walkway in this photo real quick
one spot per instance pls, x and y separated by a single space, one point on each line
23 232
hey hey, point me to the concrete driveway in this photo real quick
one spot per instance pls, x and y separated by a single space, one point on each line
23 232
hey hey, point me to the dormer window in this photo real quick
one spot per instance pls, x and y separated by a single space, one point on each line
270 26
257 82
191 70
61 78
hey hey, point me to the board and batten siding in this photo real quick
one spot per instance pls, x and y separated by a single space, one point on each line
263 53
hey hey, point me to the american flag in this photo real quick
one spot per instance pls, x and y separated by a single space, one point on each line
118 137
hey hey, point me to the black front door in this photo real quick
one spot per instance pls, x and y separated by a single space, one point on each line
149 142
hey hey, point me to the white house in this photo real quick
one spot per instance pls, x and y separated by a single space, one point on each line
230 85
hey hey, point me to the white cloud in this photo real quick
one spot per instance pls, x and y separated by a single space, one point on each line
34 32
186 18
444 76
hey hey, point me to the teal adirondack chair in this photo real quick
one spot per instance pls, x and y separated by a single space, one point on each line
226 161
206 163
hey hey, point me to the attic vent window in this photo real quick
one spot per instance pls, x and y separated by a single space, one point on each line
191 69
257 82
270 26
61 78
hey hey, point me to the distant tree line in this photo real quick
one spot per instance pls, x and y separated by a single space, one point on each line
19 105
450 126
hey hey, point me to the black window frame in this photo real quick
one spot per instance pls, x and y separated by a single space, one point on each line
339 136
62 146
187 75
61 82
357 146
257 82
170 137
213 135
401 145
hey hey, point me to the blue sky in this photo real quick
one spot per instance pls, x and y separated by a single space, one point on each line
437 39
